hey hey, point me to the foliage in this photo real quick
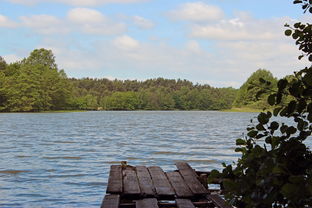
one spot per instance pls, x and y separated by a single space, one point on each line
34 84
153 94
275 169
254 92
122 101
3 64
41 57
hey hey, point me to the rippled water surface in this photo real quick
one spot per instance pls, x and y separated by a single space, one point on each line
63 159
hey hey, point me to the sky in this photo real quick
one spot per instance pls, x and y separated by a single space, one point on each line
215 42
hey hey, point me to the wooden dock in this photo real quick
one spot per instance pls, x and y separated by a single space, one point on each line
151 187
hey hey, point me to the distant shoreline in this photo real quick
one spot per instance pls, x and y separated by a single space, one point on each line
242 110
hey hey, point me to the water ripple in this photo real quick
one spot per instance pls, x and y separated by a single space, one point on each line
63 159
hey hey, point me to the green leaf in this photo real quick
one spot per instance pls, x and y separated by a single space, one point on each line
297 2
278 170
304 6
275 141
295 35
296 179
282 83
297 25
263 118
310 117
252 133
230 185
291 107
283 112
240 149
283 128
240 142
260 127
279 97
301 105
274 125
268 140
262 80
308 79
214 174
291 130
301 125
288 190
288 32
271 99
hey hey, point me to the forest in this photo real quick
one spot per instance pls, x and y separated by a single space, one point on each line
36 84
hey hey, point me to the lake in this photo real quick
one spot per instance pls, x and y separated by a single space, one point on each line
63 159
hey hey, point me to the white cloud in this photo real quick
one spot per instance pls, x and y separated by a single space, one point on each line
6 22
44 24
225 49
11 58
85 16
193 46
197 11
94 22
142 22
125 57
125 42
246 28
78 20
75 2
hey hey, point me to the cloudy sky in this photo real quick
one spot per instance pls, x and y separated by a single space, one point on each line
216 42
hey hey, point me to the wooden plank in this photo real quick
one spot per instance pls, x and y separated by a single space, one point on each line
145 181
191 179
160 181
178 184
184 203
187 167
147 203
130 181
111 201
115 180
218 201
171 204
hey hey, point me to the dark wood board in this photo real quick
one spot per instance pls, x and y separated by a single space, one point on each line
191 179
115 180
145 181
111 201
179 185
184 203
147 203
130 182
160 181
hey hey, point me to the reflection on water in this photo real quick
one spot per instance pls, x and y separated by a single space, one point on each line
63 159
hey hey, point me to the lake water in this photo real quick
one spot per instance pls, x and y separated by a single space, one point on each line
63 159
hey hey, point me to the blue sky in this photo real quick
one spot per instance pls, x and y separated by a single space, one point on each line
216 42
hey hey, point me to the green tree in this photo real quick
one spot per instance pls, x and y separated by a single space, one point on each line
278 173
3 64
122 101
254 92
42 57
34 84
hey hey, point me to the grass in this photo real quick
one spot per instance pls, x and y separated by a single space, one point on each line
62 111
243 109
52 111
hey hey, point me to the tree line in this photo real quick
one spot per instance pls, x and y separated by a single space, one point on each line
36 84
